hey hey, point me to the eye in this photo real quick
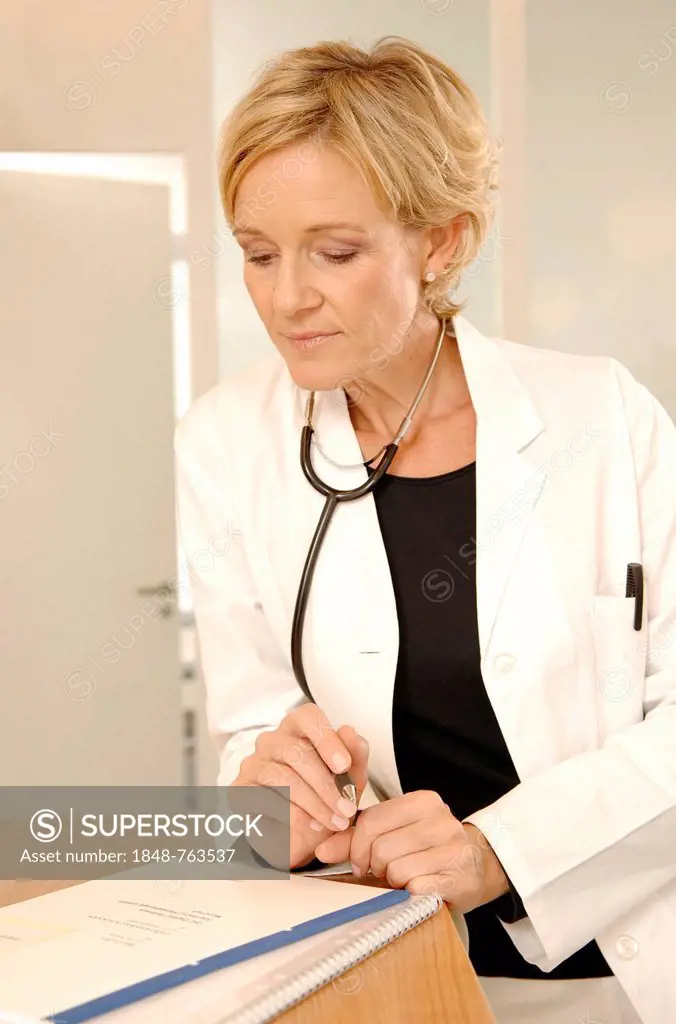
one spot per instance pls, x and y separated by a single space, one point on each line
263 259
338 257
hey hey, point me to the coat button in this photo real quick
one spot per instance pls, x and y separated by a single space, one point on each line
627 947
504 662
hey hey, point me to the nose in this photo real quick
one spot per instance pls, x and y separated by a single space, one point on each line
293 289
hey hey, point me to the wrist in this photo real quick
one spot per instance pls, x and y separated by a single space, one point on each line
495 880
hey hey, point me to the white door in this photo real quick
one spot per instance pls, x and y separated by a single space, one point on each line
89 672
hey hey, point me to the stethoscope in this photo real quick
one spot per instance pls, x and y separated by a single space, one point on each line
336 497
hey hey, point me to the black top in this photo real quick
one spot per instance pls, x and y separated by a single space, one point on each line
446 735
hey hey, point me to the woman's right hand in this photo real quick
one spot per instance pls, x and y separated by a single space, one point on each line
305 753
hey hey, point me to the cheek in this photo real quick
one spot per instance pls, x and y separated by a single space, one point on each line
397 279
259 292
388 299
401 281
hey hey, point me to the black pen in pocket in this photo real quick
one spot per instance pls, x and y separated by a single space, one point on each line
635 589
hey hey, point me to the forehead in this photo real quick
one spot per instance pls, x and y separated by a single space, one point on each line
304 185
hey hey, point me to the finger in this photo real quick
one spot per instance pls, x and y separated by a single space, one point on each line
440 864
397 844
272 845
273 773
437 831
311 722
305 836
288 842
336 848
298 751
452 888
428 885
251 790
389 816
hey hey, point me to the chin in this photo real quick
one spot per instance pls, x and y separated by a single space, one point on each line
313 376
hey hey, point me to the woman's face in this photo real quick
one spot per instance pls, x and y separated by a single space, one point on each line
322 258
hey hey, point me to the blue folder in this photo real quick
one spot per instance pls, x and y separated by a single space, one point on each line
228 957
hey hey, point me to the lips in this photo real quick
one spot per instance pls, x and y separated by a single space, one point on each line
308 335
308 341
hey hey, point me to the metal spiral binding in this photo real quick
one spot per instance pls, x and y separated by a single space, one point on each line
309 980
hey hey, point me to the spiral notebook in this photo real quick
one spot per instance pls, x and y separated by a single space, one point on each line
127 952
290 982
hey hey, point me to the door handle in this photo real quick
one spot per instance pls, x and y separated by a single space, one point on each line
166 592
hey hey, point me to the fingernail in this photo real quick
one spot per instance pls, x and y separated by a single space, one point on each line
346 807
340 762
356 871
339 823
316 825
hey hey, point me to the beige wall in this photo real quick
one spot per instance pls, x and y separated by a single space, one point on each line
601 181
129 77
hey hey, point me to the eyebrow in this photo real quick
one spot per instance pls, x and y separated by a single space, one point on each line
328 226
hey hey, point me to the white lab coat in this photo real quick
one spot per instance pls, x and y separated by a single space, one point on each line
575 477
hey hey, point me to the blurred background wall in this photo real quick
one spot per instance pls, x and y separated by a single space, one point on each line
122 300
106 192
600 217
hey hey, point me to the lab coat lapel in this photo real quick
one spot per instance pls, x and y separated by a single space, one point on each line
508 482
351 636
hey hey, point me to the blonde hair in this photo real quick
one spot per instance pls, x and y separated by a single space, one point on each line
403 118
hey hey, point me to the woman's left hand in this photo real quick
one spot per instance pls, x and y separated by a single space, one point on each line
415 842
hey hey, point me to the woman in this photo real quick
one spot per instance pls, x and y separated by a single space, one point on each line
468 643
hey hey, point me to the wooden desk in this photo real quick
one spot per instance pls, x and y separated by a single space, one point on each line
424 976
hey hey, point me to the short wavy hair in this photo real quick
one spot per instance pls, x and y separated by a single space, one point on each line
402 117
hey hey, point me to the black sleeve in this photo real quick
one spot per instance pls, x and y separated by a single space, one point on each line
509 907
312 866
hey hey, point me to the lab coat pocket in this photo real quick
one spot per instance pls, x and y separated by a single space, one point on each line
619 663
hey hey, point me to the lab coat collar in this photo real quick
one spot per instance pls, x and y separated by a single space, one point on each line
500 400
502 404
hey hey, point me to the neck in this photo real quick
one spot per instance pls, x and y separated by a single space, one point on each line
387 392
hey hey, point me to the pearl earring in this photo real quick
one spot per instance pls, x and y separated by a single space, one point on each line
430 275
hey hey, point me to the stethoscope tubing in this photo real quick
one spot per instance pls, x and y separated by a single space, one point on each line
334 497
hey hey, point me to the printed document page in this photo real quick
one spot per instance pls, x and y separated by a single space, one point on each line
74 945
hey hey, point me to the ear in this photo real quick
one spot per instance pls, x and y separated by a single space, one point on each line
443 241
